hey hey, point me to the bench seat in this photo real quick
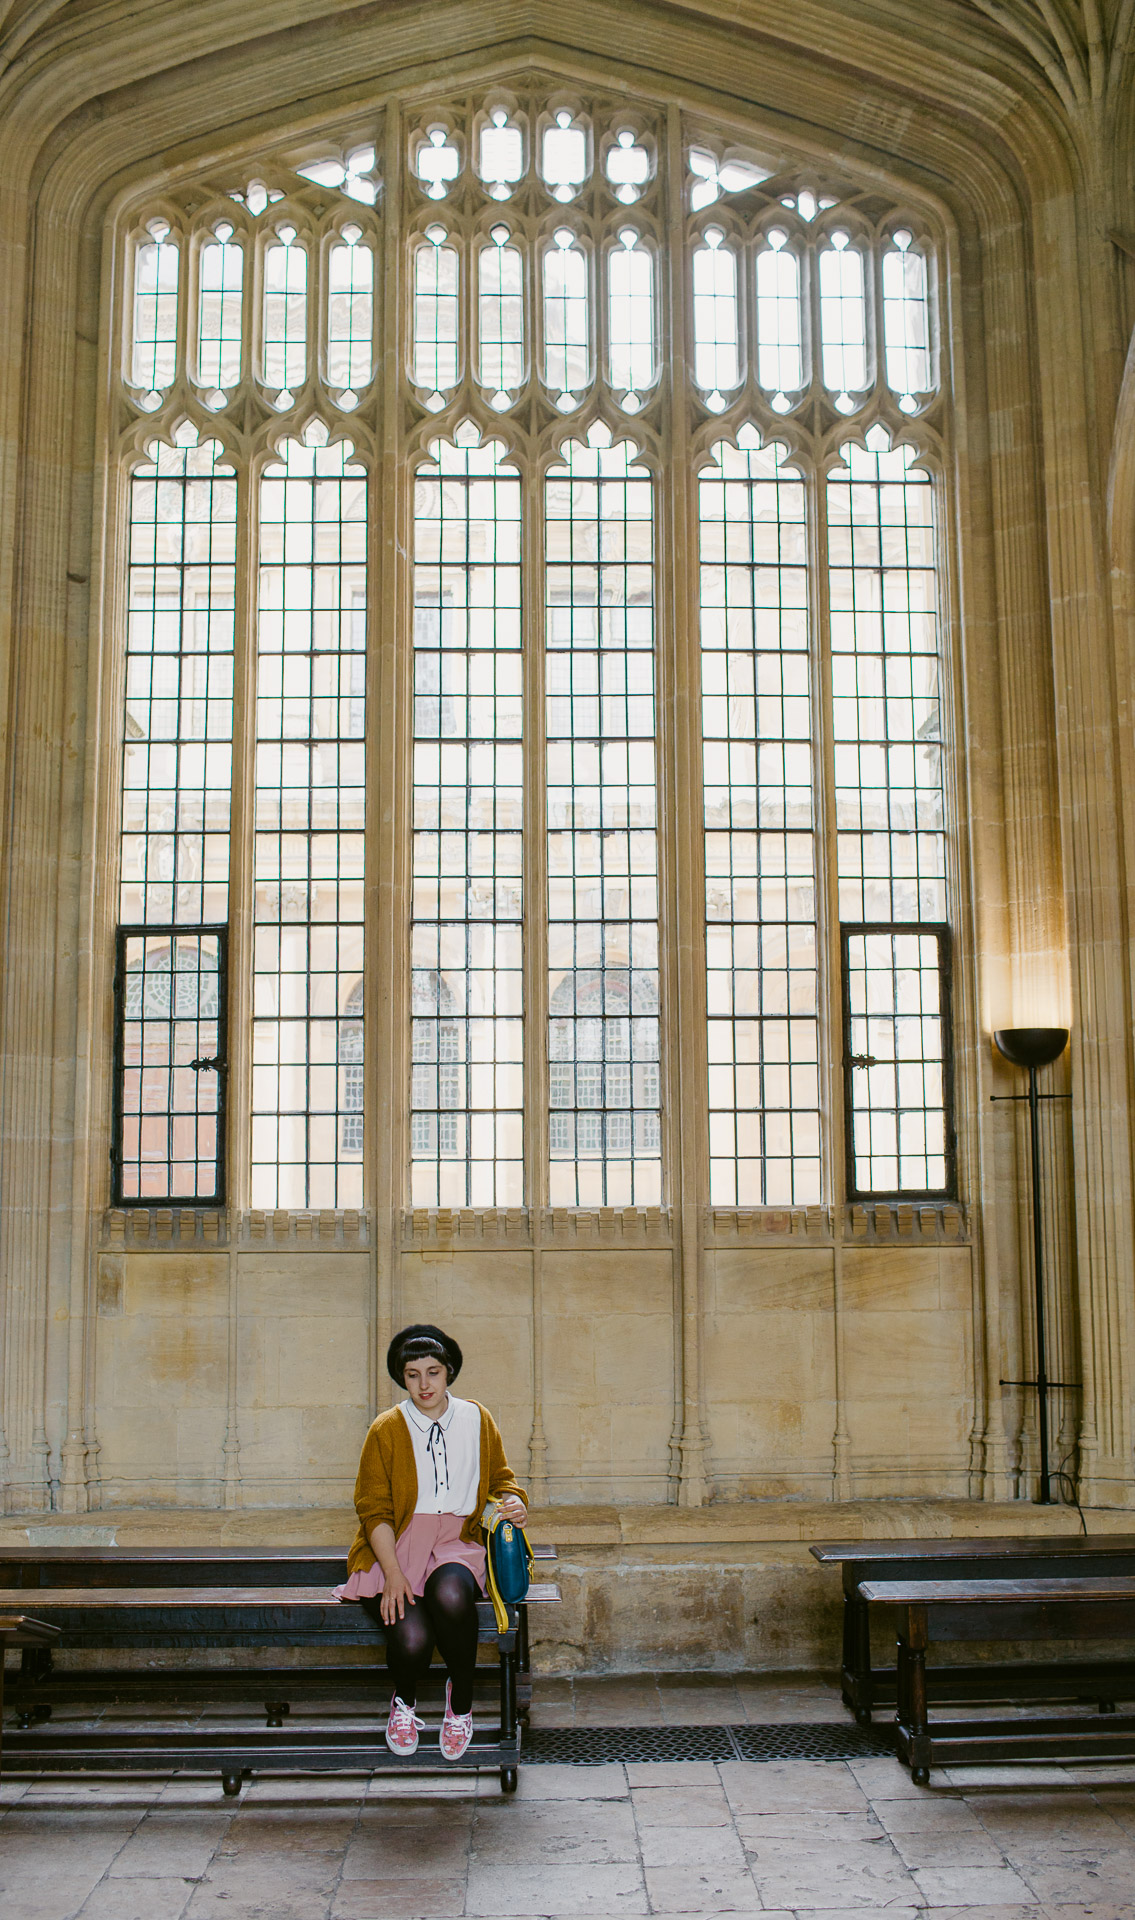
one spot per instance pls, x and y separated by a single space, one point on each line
1085 1606
866 1686
204 1617
40 1686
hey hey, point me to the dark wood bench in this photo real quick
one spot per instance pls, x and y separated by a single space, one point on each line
127 1614
21 1630
40 1685
866 1686
1081 1607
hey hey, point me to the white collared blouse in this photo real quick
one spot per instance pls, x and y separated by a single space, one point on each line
447 1456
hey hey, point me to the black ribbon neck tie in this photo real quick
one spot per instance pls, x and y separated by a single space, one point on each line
434 1444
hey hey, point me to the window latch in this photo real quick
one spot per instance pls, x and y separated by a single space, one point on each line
210 1063
862 1060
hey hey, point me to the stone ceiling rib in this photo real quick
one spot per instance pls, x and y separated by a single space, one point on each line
63 53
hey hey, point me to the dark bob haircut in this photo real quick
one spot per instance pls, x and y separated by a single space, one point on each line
418 1343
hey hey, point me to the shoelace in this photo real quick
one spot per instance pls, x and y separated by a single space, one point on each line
403 1719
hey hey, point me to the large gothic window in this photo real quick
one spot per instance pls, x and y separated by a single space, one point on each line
620 440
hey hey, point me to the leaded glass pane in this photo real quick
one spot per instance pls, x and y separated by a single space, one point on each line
759 832
309 819
603 1040
467 1074
178 718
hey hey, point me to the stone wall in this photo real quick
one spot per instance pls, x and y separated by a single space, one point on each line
678 1355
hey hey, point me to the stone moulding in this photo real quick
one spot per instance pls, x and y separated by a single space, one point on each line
758 1226
471 1227
878 1223
177 1227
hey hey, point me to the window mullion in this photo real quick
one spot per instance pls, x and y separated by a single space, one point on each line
241 862
389 681
827 890
682 901
536 1101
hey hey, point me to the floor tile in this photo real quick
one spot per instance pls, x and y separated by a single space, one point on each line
399 1853
966 1848
972 1886
596 1890
1081 1874
885 1779
780 1785
174 1844
608 1782
689 1890
810 1829
692 1806
678 1773
556 1832
699 1847
417 1899
858 1874
929 1814
154 1897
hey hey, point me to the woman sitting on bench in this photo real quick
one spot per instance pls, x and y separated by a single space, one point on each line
417 1564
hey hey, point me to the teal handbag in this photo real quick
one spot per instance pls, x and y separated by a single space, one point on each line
509 1559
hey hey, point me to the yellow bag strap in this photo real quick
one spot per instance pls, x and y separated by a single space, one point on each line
490 1520
500 1611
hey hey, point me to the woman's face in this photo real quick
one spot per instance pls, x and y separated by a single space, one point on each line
426 1384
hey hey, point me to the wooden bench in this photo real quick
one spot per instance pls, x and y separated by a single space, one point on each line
273 1614
21 1630
1081 1607
866 1686
39 1686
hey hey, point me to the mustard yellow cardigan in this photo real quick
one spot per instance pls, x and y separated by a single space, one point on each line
387 1484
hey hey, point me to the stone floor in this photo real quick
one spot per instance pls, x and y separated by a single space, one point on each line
796 1837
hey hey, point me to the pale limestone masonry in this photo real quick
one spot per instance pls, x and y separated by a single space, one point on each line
213 1362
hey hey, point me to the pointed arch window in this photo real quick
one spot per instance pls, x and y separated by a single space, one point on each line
472 449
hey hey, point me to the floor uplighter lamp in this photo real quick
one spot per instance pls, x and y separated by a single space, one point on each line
1033 1048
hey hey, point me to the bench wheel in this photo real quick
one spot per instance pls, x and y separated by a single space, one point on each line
230 1781
920 1776
508 1779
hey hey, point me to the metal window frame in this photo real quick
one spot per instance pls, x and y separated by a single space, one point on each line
850 929
218 1198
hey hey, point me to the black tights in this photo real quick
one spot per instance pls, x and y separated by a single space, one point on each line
445 1615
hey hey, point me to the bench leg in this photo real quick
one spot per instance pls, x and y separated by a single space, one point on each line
276 1710
523 1654
508 1710
857 1641
230 1781
912 1693
36 1663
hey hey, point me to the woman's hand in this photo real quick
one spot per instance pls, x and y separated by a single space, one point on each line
513 1509
397 1595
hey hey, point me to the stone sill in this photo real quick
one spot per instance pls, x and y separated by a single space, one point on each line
726 1525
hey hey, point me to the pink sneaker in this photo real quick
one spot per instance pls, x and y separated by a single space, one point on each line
402 1727
456 1730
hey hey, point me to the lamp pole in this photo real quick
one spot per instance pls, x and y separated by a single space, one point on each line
1031 1048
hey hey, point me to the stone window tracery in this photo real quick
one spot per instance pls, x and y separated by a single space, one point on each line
623 377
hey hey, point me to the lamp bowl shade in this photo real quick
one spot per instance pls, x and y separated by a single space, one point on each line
1031 1046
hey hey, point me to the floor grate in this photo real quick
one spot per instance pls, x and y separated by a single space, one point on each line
590 1746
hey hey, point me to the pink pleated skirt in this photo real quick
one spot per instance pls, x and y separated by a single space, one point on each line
431 1540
